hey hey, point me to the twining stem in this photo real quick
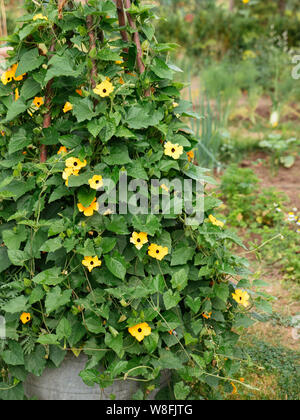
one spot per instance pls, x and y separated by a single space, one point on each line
122 20
92 36
136 38
47 117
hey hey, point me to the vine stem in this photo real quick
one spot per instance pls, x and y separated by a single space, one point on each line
92 36
47 117
262 245
136 38
122 21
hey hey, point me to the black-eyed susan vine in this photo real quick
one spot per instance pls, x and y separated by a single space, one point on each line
92 101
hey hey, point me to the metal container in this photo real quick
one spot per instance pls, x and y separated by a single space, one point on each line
64 383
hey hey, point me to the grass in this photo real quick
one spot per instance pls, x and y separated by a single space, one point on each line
273 369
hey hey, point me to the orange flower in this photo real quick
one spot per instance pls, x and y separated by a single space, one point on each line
17 94
25 317
207 315
68 107
88 211
38 102
79 91
63 149
190 156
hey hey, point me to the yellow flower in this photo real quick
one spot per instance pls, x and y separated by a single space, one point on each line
88 211
96 182
173 150
248 54
104 89
241 297
17 95
158 252
68 172
68 107
207 315
139 239
191 156
91 263
38 102
140 331
7 77
119 62
40 17
75 163
25 317
18 78
234 391
164 187
215 222
175 104
246 1
62 149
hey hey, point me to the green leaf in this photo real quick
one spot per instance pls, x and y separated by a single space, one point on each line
193 304
171 299
29 61
106 54
83 109
168 360
146 223
35 362
94 324
37 294
48 339
115 343
16 108
18 141
179 279
143 116
182 254
62 66
18 257
50 277
14 356
151 341
13 239
86 196
117 224
181 391
60 192
161 69
52 245
118 155
56 298
63 329
221 290
29 89
15 305
4 260
116 265
199 360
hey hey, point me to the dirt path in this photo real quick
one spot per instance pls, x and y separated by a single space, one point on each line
284 180
286 304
